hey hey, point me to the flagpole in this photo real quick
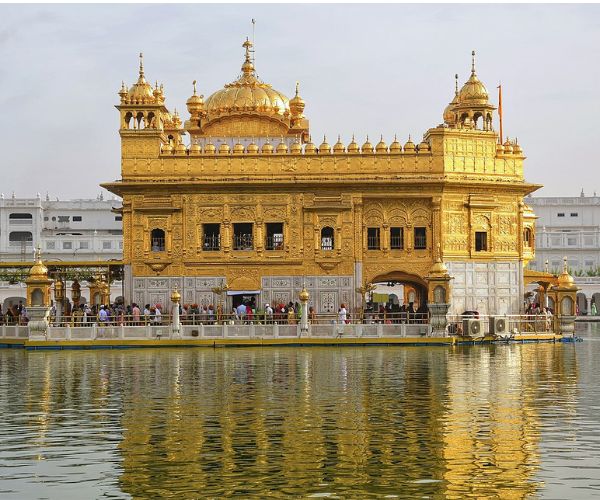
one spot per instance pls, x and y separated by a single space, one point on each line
500 111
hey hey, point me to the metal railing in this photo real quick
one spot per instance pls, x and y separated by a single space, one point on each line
211 242
243 242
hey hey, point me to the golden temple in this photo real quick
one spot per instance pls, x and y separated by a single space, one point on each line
250 205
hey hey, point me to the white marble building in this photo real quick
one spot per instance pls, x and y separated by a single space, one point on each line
65 230
570 227
70 230
567 226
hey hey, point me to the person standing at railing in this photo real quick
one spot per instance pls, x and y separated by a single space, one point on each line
211 315
268 314
147 313
135 314
158 315
342 314
312 315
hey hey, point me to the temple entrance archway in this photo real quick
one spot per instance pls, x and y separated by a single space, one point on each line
395 289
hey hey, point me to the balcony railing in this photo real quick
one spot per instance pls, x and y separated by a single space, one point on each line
373 243
274 243
397 242
158 245
211 243
243 242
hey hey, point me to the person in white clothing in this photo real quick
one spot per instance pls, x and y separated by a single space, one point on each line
342 314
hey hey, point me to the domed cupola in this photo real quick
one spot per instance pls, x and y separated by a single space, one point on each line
141 92
248 107
450 116
471 107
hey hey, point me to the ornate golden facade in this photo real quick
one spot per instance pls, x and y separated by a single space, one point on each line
335 217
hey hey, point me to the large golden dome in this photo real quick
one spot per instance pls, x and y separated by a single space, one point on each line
247 93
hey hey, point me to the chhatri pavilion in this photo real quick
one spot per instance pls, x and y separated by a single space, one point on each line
237 201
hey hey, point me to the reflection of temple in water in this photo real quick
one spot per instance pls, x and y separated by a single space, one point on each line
291 420
248 421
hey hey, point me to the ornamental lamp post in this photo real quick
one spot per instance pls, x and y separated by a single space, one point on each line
59 297
304 296
175 298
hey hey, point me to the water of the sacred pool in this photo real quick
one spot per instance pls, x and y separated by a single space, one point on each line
500 421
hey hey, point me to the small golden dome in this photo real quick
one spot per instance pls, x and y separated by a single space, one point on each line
424 147
304 295
267 148
282 147
324 148
296 148
38 270
252 148
367 147
499 149
224 148
395 147
238 148
175 296
180 149
353 146
297 104
517 149
209 148
508 149
381 146
409 147
450 117
196 102
473 91
310 148
167 148
338 147
565 280
141 91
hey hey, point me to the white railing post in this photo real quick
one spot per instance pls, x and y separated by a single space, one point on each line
148 331
68 332
3 331
275 330
201 331
94 331
121 331
380 329
225 330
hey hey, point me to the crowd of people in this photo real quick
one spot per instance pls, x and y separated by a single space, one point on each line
246 312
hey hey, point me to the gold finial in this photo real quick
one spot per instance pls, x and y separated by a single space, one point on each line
247 45
37 254
546 266
194 84
297 88
141 64
565 267
473 62
456 84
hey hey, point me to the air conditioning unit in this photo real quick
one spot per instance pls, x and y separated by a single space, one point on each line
472 327
498 325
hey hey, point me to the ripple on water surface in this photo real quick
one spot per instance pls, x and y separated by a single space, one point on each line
508 421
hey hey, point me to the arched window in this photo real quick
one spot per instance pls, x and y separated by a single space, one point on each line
527 237
157 240
327 242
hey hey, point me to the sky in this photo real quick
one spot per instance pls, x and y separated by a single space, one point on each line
363 69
